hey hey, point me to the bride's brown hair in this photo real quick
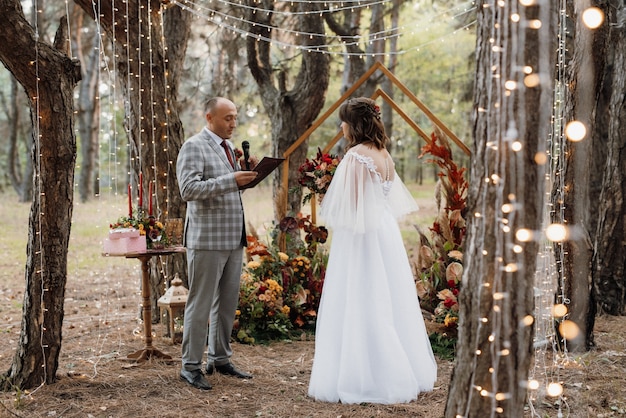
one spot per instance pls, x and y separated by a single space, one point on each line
364 123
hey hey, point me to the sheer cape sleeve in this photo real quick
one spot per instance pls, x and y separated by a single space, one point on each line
400 199
355 199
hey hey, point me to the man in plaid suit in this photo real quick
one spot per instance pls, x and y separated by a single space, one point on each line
215 236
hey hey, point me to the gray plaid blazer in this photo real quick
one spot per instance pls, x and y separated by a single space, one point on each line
215 218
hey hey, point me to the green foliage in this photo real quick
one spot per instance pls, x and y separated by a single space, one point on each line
443 345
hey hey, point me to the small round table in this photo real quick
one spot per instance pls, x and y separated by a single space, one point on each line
149 350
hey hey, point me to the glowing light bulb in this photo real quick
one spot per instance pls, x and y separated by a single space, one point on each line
531 80
559 310
524 235
555 389
575 131
501 396
569 330
556 232
511 268
533 384
541 158
593 17
528 320
510 84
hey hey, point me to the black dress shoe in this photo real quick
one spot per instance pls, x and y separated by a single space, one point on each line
195 378
227 369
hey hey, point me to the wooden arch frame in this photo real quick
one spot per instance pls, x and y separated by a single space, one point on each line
378 93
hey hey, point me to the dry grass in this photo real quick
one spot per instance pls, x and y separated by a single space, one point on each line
101 328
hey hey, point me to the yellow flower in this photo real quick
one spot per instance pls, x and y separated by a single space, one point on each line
254 264
237 312
286 309
283 257
450 320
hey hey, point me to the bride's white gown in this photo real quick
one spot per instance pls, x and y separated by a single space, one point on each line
371 343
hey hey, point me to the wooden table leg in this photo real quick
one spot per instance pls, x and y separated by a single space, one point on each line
148 351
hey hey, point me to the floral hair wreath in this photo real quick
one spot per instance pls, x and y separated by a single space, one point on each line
374 110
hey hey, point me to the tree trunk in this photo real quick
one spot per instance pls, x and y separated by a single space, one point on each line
89 120
291 111
610 253
49 84
584 174
153 125
494 347
13 113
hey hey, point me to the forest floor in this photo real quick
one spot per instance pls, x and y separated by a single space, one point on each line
101 327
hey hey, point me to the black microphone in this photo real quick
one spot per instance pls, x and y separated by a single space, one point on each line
246 153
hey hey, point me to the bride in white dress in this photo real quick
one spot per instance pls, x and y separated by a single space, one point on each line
371 343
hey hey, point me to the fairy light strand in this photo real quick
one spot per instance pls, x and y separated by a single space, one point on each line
360 5
170 164
325 49
38 198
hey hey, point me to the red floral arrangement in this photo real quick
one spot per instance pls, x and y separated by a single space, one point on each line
315 174
439 266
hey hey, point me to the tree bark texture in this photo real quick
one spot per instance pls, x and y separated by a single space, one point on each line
152 120
291 110
587 99
610 253
49 77
494 347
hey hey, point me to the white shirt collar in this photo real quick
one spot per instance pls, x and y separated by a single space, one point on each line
215 136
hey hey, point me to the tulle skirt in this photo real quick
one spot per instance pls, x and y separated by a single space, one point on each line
371 343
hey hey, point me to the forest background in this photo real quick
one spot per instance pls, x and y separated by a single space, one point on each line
484 25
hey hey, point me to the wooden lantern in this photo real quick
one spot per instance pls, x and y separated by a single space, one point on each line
173 302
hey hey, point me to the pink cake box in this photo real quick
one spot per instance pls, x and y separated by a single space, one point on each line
123 241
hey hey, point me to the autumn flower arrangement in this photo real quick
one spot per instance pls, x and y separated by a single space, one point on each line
154 230
439 265
280 291
315 174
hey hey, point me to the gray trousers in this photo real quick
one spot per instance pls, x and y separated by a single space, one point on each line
214 278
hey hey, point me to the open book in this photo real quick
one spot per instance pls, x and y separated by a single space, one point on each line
264 168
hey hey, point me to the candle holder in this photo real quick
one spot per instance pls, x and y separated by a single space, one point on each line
173 302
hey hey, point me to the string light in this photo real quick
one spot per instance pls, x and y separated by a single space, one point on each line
334 48
593 17
575 131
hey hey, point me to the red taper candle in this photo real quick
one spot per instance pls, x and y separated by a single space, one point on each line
130 202
150 199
